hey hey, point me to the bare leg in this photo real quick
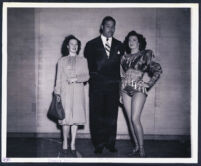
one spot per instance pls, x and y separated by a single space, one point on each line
65 130
73 134
127 104
138 101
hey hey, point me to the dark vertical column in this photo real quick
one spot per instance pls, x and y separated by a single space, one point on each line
21 112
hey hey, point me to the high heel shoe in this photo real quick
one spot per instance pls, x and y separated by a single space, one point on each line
142 152
65 145
134 151
74 152
64 151
64 148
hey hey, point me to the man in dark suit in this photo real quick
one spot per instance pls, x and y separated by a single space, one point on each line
103 54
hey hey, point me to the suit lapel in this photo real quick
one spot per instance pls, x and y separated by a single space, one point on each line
100 43
112 50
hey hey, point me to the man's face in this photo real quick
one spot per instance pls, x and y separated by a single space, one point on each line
108 28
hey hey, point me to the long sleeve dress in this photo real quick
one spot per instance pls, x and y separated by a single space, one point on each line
72 95
134 66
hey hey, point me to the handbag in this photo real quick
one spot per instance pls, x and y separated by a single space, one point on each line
56 109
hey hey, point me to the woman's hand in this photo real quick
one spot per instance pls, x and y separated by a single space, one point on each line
72 80
143 84
58 98
121 98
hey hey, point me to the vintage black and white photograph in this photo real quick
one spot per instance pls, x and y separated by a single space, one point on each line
96 82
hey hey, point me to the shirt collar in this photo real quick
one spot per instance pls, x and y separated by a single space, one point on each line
105 38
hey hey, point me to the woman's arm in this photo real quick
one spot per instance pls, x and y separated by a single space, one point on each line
154 69
84 75
57 88
122 73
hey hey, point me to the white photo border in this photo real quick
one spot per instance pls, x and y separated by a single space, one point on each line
194 81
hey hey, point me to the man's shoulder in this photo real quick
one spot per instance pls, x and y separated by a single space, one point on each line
92 41
117 41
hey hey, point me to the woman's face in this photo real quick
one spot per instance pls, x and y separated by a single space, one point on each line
133 42
72 46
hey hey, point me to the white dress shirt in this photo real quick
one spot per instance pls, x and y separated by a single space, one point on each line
104 40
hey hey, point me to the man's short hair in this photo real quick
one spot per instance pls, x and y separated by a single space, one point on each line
105 19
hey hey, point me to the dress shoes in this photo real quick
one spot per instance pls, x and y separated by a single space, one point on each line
64 151
74 153
111 149
98 150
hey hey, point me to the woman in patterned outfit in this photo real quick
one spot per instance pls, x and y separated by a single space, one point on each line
134 63
72 72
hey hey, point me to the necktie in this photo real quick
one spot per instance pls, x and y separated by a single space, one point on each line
107 47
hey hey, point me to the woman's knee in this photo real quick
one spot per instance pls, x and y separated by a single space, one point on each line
135 120
127 108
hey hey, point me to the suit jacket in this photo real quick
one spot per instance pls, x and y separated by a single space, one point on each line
104 72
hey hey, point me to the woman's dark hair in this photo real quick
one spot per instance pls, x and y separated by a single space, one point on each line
64 49
141 40
105 19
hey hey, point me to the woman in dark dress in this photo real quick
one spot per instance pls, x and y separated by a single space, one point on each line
134 64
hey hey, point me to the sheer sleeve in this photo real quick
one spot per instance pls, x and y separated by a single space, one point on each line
57 88
154 71
84 76
148 56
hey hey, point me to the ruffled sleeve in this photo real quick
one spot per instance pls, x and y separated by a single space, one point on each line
148 55
154 69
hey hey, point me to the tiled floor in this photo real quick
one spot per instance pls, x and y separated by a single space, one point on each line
46 147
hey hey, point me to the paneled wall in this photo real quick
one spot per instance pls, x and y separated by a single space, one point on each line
21 82
167 31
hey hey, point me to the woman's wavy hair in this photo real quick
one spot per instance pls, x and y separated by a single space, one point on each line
141 40
64 49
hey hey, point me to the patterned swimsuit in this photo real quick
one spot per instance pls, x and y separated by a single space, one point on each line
133 68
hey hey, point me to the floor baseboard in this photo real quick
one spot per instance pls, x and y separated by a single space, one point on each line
87 136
